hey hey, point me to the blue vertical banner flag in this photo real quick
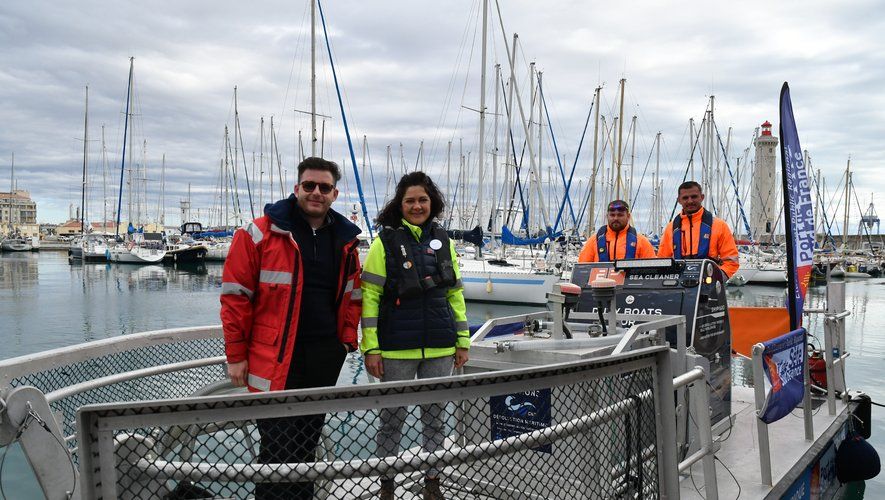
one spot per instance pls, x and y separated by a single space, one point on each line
798 211
782 361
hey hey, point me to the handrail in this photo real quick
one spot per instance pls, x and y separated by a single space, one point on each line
13 368
696 378
71 390
486 327
341 469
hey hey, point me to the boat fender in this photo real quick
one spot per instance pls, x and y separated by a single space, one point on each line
856 459
188 489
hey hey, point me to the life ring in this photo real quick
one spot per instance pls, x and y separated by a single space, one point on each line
540 263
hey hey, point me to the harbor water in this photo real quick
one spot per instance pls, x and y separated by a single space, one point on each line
47 303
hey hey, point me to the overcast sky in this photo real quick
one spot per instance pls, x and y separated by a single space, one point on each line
409 71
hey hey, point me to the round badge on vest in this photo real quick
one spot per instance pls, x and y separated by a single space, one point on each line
407 265
435 244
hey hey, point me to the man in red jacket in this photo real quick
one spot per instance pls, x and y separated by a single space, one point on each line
300 256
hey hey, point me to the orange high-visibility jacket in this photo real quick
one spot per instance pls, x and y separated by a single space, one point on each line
722 246
617 246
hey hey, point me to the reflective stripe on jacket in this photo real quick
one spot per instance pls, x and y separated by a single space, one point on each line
373 280
261 298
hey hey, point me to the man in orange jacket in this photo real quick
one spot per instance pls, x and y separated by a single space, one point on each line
617 239
696 234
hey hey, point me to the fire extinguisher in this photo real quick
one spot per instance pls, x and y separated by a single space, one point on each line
817 368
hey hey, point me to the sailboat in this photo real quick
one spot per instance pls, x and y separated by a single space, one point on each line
86 247
14 242
137 247
524 277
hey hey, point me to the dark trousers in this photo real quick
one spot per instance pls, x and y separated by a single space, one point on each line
315 363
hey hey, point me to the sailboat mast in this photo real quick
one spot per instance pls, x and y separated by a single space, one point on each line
261 167
591 207
509 168
493 215
85 153
482 112
11 189
847 204
693 146
620 142
226 176
541 139
125 132
533 168
104 183
656 221
313 78
632 160
162 208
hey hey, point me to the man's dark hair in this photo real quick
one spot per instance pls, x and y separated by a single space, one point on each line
392 212
689 185
315 163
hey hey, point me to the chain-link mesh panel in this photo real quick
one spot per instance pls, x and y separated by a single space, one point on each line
585 431
160 386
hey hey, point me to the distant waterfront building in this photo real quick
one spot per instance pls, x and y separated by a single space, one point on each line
69 228
17 208
764 209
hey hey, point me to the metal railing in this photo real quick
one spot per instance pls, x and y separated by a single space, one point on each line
603 415
43 391
834 358
143 430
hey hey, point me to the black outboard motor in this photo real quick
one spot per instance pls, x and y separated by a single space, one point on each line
691 288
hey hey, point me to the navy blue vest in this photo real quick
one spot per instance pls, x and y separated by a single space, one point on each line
415 311
632 241
703 245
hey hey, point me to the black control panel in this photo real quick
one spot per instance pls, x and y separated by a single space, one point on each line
691 288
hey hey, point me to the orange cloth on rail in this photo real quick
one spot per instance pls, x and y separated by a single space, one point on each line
722 246
617 246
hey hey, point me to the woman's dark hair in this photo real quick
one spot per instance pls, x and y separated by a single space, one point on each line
392 212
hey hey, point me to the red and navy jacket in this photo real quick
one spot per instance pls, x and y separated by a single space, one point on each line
261 293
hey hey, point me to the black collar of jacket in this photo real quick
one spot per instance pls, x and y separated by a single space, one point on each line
284 212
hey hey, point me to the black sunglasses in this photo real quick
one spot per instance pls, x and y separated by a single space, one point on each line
309 186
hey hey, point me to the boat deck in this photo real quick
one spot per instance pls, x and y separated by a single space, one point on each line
790 452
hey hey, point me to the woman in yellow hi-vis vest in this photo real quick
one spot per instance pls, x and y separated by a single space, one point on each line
414 316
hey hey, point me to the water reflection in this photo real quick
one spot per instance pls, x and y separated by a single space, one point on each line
18 270
48 302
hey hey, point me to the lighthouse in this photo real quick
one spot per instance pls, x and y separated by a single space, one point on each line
763 198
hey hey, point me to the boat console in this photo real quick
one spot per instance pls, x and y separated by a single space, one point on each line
694 289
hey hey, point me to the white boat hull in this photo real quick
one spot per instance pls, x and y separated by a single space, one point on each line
135 255
16 245
89 252
487 283
217 251
761 276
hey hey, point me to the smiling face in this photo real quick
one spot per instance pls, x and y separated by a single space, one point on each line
416 205
313 202
691 200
